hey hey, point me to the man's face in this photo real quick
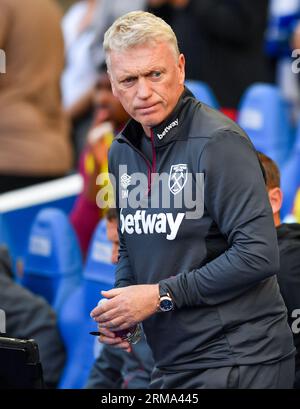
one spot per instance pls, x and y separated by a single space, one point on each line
112 235
148 80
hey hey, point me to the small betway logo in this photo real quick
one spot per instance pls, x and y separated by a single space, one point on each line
167 129
162 223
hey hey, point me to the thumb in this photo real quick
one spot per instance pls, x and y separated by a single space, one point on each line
110 293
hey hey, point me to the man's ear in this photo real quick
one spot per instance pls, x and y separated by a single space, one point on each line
275 197
181 66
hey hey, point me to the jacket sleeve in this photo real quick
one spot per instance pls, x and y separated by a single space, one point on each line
123 274
234 21
237 201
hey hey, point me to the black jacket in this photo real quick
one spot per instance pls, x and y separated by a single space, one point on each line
30 316
289 281
219 268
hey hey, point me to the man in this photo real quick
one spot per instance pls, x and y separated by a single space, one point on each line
201 279
289 248
115 368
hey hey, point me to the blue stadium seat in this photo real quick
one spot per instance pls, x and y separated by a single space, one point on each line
5 239
202 92
53 262
263 114
71 320
98 275
290 178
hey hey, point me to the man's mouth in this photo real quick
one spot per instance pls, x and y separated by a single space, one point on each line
147 108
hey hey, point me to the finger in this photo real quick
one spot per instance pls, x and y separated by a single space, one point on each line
104 313
107 317
110 341
123 345
100 308
111 293
96 311
106 332
118 324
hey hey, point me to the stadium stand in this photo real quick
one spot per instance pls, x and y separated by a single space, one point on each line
263 114
52 263
202 92
19 208
74 320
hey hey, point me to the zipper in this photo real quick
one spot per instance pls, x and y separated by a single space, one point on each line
153 169
150 169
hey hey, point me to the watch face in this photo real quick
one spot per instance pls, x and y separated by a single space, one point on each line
166 304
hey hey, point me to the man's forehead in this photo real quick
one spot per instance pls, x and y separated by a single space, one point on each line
138 61
149 50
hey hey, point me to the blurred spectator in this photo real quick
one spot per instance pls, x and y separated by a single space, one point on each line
289 247
222 41
80 73
282 32
84 26
296 208
109 117
33 130
29 316
116 368
282 42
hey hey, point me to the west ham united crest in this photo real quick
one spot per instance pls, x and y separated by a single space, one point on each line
177 178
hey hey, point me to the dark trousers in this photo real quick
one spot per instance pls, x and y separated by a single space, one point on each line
279 375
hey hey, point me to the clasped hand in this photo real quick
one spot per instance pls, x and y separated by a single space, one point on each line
125 307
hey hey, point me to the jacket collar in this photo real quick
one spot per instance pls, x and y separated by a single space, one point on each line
174 127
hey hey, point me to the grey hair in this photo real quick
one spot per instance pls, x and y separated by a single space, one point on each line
138 28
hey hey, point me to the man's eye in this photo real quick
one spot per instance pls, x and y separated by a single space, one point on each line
156 74
128 80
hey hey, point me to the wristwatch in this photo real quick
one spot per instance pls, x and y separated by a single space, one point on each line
165 302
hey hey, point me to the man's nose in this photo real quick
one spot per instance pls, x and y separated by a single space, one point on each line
144 88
